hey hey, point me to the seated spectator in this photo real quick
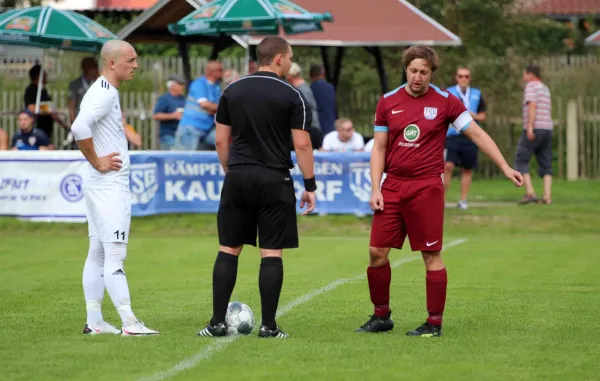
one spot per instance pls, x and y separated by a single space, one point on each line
344 139
169 110
29 138
3 140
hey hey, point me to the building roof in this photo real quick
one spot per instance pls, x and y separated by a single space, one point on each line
593 39
125 4
152 24
563 7
396 23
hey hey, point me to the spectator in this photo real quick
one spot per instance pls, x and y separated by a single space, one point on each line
79 86
344 139
29 138
537 135
197 124
230 76
169 110
324 93
295 79
252 67
132 136
369 145
3 140
46 116
460 150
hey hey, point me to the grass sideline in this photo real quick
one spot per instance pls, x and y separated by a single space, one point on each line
518 288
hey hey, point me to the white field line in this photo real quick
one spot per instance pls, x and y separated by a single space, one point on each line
222 343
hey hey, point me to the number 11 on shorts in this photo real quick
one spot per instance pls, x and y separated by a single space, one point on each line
122 233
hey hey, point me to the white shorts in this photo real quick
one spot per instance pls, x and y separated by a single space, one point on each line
108 213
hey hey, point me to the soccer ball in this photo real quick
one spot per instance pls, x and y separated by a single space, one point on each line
239 318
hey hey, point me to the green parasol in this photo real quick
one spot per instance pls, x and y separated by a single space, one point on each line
47 27
249 17
256 17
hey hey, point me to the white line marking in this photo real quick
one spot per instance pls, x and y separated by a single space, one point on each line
222 343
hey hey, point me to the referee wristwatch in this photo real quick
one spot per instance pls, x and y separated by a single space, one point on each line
310 185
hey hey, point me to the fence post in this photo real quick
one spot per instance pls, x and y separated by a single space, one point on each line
572 141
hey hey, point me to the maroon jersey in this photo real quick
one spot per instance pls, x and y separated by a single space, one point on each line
417 130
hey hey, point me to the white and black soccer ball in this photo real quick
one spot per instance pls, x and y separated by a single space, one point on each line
239 318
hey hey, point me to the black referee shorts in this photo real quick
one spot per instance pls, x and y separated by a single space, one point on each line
255 198
461 151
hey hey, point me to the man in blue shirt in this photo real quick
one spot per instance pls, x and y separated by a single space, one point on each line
169 110
324 93
198 122
29 138
460 150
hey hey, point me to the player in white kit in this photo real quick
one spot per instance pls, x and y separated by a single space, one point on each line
100 136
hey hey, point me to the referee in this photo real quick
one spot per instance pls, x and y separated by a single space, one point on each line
258 118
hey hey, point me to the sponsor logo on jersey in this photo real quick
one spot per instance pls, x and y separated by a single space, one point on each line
144 182
412 133
70 188
430 113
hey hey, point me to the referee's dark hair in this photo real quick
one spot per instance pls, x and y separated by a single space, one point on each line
269 47
534 69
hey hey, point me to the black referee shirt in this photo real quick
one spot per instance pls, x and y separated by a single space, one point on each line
262 109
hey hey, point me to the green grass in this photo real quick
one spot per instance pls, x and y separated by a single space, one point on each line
522 299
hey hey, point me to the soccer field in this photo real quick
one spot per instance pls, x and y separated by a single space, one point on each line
523 300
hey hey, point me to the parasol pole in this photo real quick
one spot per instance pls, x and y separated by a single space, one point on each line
40 85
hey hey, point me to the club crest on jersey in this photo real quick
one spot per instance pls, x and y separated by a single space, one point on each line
144 182
430 113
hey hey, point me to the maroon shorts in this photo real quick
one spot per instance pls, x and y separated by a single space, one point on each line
410 207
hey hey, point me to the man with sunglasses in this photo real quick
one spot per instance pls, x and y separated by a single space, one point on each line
460 150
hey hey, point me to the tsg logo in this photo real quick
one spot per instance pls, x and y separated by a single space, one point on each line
144 183
360 181
70 188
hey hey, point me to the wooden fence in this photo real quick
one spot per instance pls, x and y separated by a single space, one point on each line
63 65
504 129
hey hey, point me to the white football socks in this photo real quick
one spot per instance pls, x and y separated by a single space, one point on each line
93 283
116 281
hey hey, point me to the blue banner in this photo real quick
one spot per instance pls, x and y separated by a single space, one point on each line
171 182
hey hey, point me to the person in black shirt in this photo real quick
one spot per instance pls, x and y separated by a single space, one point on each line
258 118
45 118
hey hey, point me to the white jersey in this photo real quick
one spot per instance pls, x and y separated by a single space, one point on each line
101 101
332 143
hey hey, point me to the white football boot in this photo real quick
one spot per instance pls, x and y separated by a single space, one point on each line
138 329
103 329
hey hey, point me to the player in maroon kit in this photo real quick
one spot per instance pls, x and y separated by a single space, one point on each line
410 130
